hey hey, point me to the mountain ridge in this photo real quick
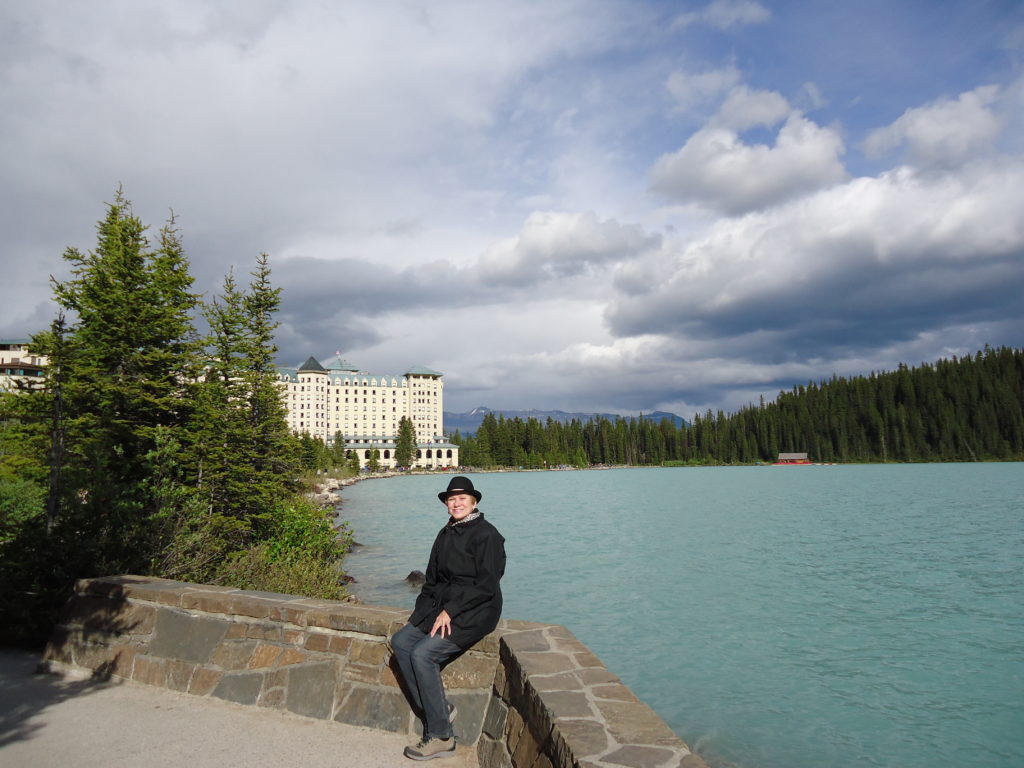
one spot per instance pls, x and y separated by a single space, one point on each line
469 421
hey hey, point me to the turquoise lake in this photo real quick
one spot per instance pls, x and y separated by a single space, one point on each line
775 617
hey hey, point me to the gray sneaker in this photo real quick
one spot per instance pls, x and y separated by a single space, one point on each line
428 749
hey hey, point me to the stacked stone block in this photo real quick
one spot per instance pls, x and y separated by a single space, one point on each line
529 695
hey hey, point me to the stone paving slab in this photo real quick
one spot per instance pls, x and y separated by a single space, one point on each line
50 722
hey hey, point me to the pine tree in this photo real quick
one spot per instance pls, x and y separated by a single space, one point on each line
220 447
405 448
245 457
352 460
124 367
273 449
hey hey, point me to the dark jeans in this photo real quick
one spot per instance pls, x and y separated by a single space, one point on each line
420 658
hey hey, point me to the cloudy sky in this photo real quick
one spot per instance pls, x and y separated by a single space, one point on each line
614 205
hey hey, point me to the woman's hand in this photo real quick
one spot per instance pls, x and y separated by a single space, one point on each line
442 624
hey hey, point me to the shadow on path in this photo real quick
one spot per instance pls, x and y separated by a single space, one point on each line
48 721
28 693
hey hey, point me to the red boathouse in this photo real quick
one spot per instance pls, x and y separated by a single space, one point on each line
791 459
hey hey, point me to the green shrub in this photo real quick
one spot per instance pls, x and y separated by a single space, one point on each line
300 552
256 568
300 526
20 502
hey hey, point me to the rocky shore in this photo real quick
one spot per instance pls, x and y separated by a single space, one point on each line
323 492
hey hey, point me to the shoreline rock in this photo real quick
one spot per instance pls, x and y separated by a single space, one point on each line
323 492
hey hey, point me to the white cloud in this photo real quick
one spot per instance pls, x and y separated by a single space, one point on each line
590 368
726 13
690 90
811 97
560 245
718 171
944 133
745 108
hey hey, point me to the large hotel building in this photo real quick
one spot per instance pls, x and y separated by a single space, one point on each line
335 398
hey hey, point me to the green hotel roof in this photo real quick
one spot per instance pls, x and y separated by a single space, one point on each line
421 370
336 363
312 364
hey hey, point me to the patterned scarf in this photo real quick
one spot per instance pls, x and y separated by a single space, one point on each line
471 516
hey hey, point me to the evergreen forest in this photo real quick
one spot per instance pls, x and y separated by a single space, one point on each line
958 409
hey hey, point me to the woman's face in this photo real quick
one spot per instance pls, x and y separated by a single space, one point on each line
460 504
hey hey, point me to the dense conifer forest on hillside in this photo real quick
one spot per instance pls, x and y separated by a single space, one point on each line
960 409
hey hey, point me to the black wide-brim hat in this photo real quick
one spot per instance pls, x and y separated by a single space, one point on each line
459 484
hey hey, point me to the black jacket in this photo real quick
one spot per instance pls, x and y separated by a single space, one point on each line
466 564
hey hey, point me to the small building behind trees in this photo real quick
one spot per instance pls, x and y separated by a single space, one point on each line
19 366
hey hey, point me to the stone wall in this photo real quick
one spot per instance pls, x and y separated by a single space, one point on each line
529 695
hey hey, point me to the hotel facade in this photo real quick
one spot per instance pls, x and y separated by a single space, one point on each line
335 400
18 366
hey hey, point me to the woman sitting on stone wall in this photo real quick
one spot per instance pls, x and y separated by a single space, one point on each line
459 603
